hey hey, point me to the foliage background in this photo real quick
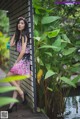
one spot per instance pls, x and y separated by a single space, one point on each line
4 38
57 51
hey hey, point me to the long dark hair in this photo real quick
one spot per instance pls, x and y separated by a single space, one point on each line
25 31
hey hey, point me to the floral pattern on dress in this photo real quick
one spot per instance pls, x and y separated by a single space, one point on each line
23 66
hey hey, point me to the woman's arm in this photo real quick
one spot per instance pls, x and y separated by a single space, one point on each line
12 42
22 50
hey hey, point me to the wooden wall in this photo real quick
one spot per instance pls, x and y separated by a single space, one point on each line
16 9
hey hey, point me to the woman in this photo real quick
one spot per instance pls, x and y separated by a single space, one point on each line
22 65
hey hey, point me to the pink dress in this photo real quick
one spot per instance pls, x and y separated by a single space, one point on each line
23 66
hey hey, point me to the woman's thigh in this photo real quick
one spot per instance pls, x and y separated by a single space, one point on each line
11 74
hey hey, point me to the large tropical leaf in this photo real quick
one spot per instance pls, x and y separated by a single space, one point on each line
76 79
54 33
6 100
48 66
49 54
37 38
57 44
50 89
67 81
49 74
64 36
49 19
7 89
68 51
77 64
35 20
75 69
48 46
40 61
12 78
36 33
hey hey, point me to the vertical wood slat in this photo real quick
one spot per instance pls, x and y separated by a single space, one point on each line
23 8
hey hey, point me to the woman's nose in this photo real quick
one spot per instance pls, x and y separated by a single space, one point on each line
19 24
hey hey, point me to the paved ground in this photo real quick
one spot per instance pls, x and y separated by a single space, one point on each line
23 112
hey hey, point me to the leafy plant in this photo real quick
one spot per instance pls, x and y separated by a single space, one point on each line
4 22
56 35
3 50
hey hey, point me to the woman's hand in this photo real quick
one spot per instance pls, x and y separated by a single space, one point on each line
12 42
15 62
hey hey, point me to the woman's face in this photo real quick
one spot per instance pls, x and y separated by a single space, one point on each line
21 25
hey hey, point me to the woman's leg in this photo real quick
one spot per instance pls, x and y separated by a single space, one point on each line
16 84
15 94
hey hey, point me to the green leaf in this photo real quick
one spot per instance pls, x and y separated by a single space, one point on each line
41 62
44 36
37 38
37 11
54 33
77 64
50 47
6 89
36 33
50 89
77 42
67 81
47 46
13 78
35 19
48 66
49 54
57 42
75 69
76 79
64 36
68 51
6 100
49 19
49 74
